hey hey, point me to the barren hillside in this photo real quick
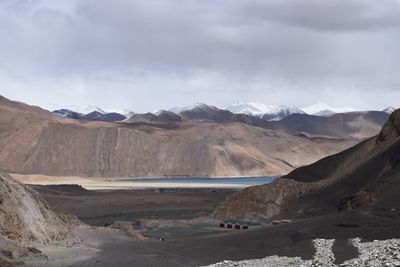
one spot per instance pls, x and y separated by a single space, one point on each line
357 125
34 141
363 175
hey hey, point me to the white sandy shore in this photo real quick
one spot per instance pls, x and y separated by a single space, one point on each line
114 183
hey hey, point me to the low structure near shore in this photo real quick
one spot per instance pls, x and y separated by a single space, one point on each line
239 225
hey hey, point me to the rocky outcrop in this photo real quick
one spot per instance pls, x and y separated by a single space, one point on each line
25 216
27 221
391 129
127 228
258 202
361 199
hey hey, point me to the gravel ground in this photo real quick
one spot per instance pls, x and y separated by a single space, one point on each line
372 254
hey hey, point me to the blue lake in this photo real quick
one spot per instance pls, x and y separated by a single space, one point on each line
234 182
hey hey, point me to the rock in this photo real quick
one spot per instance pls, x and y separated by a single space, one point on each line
373 254
391 129
4 263
6 253
34 250
25 216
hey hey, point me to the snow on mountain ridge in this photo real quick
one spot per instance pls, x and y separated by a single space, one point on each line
322 109
178 110
91 109
256 109
265 112
86 110
250 108
291 109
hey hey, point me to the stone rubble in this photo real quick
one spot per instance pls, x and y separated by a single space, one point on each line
377 253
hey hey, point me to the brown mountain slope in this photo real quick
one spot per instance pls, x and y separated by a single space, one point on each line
357 125
365 174
161 117
26 220
34 141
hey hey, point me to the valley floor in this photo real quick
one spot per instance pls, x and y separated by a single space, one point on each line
175 240
100 207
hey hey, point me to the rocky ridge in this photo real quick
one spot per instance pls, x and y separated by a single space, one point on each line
362 175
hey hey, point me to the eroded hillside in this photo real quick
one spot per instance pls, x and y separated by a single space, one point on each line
34 141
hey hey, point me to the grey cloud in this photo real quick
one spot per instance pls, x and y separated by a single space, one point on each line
340 15
189 51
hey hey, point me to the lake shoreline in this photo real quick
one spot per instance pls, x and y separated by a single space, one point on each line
140 183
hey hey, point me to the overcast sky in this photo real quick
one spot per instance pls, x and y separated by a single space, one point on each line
150 54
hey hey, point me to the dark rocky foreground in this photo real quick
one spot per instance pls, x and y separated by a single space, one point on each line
203 245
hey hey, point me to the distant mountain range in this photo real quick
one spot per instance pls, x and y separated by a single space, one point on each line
256 110
265 112
354 125
322 109
91 116
205 141
85 110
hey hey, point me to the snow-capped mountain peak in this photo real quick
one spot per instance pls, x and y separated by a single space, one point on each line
178 110
323 109
86 110
250 108
266 112
280 112
290 109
